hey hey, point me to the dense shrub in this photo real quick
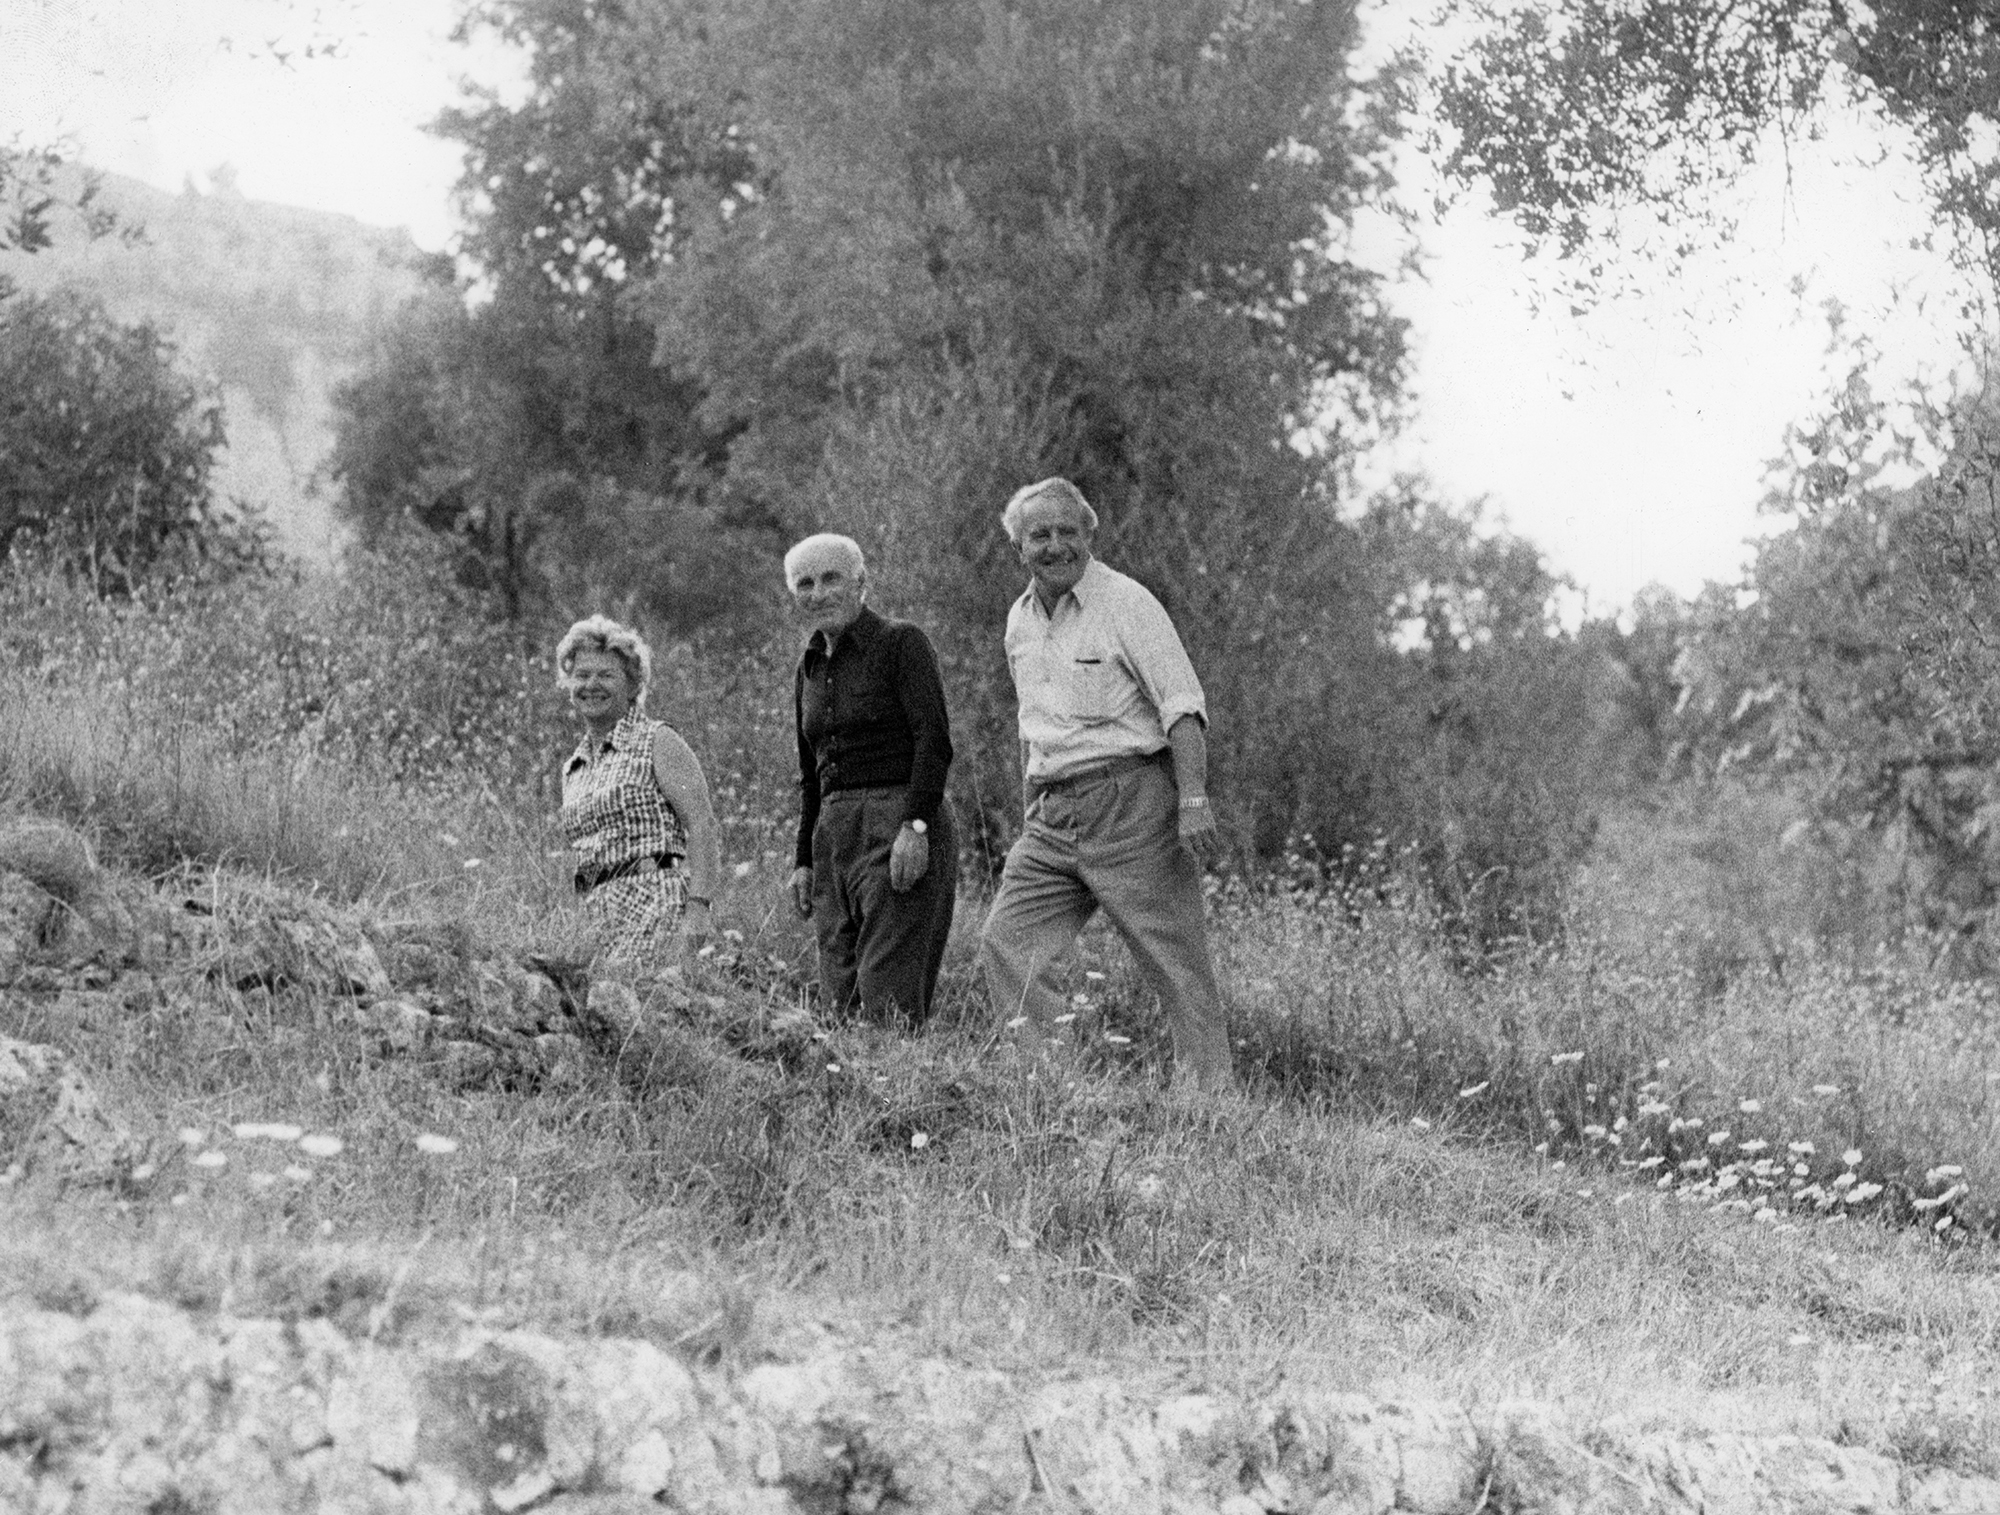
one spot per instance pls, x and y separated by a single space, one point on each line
106 449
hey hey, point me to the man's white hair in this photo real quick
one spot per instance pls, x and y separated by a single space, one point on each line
1060 488
599 633
825 541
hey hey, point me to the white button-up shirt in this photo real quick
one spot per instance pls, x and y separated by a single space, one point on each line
1105 676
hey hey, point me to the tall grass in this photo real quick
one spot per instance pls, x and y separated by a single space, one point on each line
1522 1179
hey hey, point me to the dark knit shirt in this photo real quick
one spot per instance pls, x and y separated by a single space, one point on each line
870 716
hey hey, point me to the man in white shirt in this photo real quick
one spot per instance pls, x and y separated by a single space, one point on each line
1115 757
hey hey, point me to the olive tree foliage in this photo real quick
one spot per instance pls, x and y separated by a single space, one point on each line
519 414
986 241
1862 666
106 450
1571 111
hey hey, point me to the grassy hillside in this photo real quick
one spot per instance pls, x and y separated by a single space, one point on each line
274 304
1587 1176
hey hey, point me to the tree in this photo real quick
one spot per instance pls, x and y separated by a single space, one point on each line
1572 110
524 418
979 243
1863 669
106 449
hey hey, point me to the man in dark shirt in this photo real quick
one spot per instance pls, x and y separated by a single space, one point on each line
877 859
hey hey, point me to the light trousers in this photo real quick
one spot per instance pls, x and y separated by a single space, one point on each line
1108 842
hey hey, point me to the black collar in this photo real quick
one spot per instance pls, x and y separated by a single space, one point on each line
861 631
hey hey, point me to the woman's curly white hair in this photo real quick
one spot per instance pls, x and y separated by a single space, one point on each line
599 633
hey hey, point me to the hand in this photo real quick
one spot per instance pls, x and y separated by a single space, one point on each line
1198 833
909 859
695 922
802 892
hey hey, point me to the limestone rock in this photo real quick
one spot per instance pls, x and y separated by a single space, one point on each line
49 1111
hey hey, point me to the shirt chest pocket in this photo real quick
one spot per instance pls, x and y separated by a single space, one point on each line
1096 687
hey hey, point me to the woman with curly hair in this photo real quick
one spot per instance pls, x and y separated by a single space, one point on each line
635 804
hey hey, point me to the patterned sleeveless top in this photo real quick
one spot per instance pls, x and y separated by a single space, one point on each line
612 808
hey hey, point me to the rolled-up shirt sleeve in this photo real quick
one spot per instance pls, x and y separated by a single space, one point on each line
1159 663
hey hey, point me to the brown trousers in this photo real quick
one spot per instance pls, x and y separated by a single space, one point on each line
879 951
1110 843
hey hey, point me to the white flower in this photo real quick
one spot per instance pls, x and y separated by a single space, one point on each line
274 1131
1799 1149
1750 1106
919 1140
1559 1058
1717 1138
192 1136
1826 1091
1852 1157
1117 1041
433 1145
1420 1123
321 1146
211 1160
1093 975
1471 1089
298 1174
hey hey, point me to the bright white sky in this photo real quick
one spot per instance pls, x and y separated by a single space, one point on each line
1628 441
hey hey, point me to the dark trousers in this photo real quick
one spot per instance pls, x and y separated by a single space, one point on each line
879 951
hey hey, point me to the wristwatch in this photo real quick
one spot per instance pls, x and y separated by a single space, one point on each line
919 827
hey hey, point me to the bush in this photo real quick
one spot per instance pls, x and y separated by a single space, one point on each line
106 450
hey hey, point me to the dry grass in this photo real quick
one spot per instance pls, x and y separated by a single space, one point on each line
1373 1213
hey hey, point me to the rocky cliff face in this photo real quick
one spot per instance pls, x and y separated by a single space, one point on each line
274 305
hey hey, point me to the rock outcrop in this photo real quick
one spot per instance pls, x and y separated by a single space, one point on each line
137 1406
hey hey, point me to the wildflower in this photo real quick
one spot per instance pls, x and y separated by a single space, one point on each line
1798 1339
1944 1223
1091 975
192 1136
1653 1107
252 1131
1826 1091
1940 1173
919 1140
1651 1162
211 1160
1541 1149
1755 1144
1116 1040
1852 1157
321 1146
1750 1106
433 1145
1420 1123
1799 1149
471 863
1861 1193
1843 1181
1717 1138
1018 1022
745 869
1695 1165
1620 1124
1151 1187
1471 1089
1063 1020
833 1067
1565 1057
298 1174
1595 1133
